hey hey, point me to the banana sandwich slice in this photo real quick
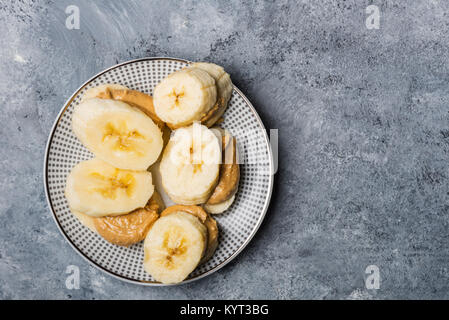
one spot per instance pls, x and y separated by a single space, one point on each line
199 92
181 239
224 193
126 229
117 133
190 164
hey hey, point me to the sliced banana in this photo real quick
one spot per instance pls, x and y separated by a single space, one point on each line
190 164
206 219
174 247
224 91
117 133
97 189
220 207
184 96
221 77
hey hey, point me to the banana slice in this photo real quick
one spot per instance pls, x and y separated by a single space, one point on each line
206 219
174 247
134 98
224 91
97 189
184 96
117 133
190 164
220 207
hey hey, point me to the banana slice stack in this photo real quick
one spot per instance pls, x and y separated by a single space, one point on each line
181 239
200 92
114 195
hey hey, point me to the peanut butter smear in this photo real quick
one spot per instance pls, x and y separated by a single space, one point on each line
130 228
229 174
134 98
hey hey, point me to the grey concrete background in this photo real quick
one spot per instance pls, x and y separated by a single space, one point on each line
364 139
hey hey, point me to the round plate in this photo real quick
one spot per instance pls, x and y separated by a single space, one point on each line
237 225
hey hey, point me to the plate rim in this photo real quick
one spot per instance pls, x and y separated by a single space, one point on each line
109 272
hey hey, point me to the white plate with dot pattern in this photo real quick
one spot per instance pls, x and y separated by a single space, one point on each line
237 225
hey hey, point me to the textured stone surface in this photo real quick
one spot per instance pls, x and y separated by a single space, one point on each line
363 130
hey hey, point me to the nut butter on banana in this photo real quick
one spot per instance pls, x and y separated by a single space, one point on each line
135 98
174 246
127 229
206 219
224 193
181 239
